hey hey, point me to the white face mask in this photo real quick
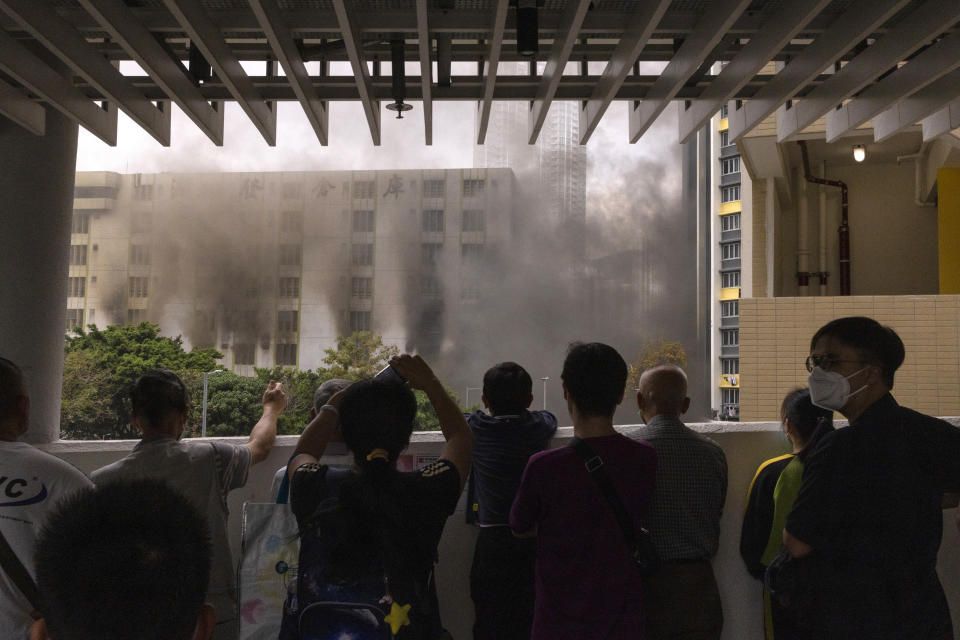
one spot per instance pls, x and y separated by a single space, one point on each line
830 390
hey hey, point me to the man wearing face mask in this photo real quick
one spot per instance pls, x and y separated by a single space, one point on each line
869 507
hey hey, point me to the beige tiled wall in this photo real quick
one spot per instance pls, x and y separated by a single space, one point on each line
775 338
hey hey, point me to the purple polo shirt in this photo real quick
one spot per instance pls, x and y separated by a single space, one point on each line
585 582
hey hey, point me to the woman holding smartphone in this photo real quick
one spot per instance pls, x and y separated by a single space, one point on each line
369 534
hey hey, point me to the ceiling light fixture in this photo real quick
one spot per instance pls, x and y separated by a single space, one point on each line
859 153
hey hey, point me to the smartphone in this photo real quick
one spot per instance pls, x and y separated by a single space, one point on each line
389 374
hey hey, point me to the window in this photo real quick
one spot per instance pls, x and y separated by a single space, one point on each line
244 353
730 399
730 250
724 138
723 111
430 253
287 321
291 255
430 285
730 309
361 255
730 222
138 287
80 224
286 354
473 220
364 189
434 188
730 194
471 252
361 288
730 165
289 287
472 188
74 319
730 337
143 192
730 279
78 254
139 254
136 316
730 365
359 321
363 221
291 221
291 190
76 287
433 220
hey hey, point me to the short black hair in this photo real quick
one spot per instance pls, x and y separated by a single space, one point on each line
805 417
11 386
156 394
595 376
377 414
876 343
129 560
327 390
507 387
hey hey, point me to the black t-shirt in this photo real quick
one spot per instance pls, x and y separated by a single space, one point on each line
425 498
870 504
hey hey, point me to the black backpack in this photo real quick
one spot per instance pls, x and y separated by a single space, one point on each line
359 601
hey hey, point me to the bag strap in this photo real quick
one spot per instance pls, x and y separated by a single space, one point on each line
18 573
594 466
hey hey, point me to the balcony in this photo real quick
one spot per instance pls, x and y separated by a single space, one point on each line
746 445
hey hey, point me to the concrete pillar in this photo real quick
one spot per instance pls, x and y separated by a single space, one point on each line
36 187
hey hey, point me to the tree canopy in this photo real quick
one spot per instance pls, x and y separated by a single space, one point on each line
100 365
653 353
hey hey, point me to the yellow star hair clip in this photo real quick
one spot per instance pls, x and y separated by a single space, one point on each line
399 617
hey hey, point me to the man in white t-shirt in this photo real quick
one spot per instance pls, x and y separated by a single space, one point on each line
205 472
31 484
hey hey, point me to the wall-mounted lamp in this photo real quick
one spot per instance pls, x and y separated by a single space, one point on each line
859 153
528 35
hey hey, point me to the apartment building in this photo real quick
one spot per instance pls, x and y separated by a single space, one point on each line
270 268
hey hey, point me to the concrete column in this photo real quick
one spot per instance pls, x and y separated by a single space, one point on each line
36 187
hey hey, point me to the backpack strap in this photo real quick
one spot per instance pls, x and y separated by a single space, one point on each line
18 573
594 466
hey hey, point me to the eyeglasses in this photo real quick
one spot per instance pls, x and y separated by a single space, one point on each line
825 362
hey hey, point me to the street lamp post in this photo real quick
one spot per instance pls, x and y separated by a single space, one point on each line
544 380
203 422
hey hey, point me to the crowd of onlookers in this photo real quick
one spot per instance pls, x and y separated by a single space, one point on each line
610 537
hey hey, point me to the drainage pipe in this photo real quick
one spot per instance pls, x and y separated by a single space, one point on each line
844 231
918 181
803 244
822 230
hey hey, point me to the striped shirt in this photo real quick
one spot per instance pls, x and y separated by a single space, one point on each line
684 517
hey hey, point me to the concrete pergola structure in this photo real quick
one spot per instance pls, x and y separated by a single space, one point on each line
894 61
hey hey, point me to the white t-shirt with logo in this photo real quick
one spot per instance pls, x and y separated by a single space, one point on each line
31 484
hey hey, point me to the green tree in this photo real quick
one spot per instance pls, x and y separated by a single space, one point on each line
100 366
359 355
426 419
652 354
84 405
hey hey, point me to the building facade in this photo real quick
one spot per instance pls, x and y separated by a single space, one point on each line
902 218
729 252
551 174
270 268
